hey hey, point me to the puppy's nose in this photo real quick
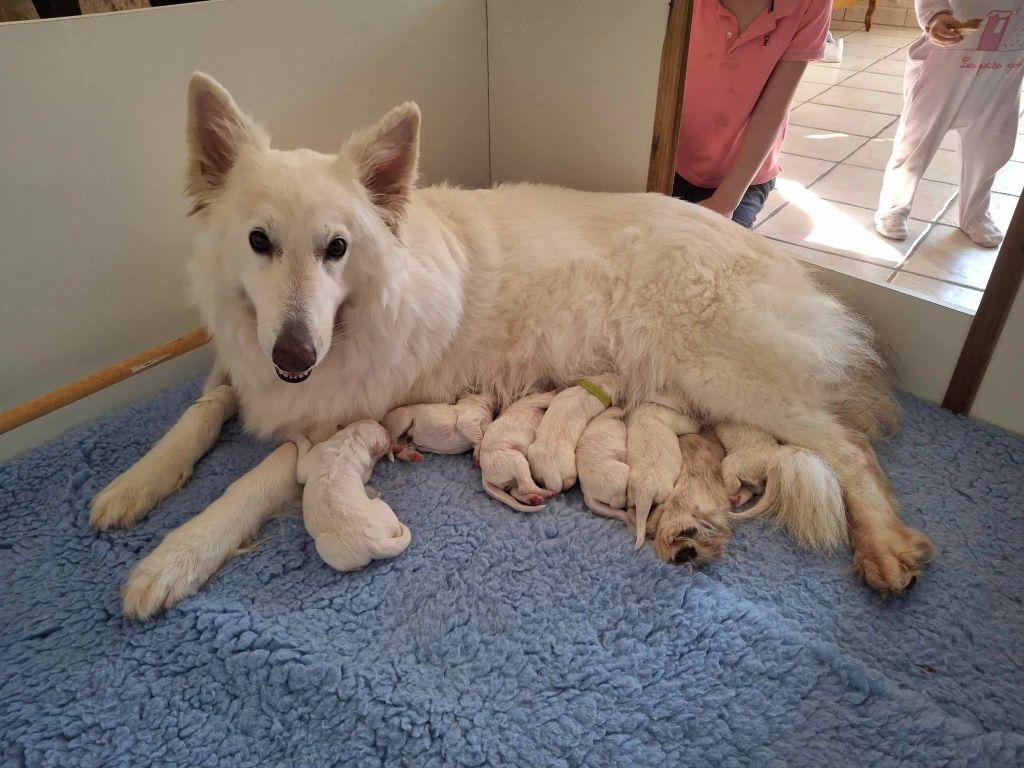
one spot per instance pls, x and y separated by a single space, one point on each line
294 351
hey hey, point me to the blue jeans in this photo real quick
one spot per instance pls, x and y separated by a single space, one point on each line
751 204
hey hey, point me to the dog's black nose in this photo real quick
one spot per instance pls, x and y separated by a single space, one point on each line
294 351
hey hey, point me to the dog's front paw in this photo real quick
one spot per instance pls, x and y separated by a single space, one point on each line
174 570
131 495
691 536
889 559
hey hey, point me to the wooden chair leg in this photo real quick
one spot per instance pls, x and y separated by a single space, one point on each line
869 14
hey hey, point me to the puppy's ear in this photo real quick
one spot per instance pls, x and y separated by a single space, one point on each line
387 160
216 132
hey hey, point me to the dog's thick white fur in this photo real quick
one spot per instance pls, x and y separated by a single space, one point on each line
799 488
601 463
504 469
652 453
442 291
552 454
350 528
442 428
693 524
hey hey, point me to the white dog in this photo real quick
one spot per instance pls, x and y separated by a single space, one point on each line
504 469
441 428
350 528
601 462
335 290
653 456
552 454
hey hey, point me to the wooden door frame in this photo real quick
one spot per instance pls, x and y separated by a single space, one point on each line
1007 273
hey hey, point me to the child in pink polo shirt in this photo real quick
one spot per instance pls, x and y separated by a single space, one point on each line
746 59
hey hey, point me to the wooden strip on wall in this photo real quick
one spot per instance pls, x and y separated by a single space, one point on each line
672 78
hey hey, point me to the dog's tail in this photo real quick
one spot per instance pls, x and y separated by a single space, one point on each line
643 502
804 495
506 498
604 510
393 547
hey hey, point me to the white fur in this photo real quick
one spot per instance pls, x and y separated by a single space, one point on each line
652 453
552 455
800 489
441 428
504 470
601 462
512 290
350 528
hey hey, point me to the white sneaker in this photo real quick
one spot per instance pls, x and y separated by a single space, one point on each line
833 50
985 232
891 225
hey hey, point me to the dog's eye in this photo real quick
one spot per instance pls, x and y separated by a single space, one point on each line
259 242
336 249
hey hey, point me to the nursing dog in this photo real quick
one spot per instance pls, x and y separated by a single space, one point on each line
336 290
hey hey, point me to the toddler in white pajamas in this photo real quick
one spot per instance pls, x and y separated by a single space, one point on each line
967 79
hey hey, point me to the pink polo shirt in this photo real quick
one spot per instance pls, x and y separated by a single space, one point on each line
725 74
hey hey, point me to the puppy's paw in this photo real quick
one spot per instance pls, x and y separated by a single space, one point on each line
889 559
692 536
131 495
172 571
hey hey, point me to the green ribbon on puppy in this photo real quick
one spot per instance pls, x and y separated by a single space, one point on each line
598 392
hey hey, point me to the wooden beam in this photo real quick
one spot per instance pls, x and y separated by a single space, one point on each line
1002 289
669 107
94 382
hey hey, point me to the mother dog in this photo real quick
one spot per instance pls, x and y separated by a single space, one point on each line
335 290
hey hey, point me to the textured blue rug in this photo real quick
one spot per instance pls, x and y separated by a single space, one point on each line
504 639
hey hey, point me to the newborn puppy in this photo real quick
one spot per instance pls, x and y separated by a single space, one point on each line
439 427
350 529
601 462
652 453
693 525
800 489
552 455
503 464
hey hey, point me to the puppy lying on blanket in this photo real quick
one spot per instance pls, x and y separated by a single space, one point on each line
552 455
350 529
602 467
503 465
441 428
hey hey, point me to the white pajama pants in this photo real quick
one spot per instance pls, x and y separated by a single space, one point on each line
941 93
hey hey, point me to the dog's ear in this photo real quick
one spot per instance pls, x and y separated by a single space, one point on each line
387 160
216 131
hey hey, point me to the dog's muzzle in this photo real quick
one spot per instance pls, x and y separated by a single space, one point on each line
294 354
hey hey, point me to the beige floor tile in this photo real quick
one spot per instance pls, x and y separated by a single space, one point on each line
872 81
807 91
1018 150
887 67
802 170
867 51
873 154
945 166
842 25
775 201
909 33
900 56
833 118
948 254
936 290
882 15
1010 180
870 272
841 229
850 61
858 98
950 141
1001 209
827 75
874 38
819 143
860 186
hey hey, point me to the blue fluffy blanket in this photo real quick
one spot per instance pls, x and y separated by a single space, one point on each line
507 639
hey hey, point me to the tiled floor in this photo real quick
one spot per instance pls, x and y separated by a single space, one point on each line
837 145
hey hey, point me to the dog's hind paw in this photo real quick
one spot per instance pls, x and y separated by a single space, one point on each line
889 560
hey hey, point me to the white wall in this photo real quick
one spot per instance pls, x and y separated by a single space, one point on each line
573 89
1001 397
95 237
